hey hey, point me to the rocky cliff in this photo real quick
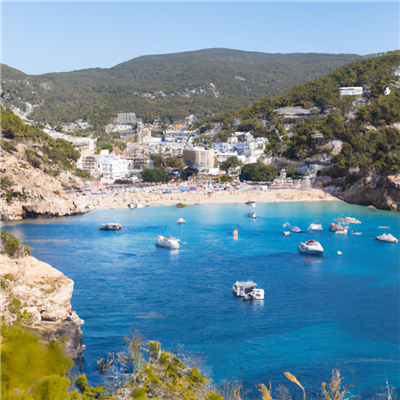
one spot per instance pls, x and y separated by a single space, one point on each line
38 295
365 188
27 191
373 189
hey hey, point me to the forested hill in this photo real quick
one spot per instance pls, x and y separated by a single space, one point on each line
170 86
367 125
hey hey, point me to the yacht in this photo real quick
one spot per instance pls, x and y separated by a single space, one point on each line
252 215
315 227
311 247
168 243
110 227
256 294
388 238
240 289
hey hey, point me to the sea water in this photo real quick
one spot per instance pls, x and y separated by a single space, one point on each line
319 313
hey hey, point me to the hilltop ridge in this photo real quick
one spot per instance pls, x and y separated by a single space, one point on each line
170 86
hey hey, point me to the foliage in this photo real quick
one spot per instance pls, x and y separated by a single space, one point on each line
121 145
10 243
154 175
258 172
32 160
292 173
97 95
225 178
335 392
160 375
174 162
81 173
32 368
7 146
108 147
230 162
56 154
6 182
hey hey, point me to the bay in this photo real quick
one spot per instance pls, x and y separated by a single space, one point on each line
319 313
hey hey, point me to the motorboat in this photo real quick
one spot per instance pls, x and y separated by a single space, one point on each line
131 206
256 294
110 227
388 238
315 227
181 221
240 289
252 215
295 229
286 233
338 228
352 220
168 243
180 205
311 247
250 202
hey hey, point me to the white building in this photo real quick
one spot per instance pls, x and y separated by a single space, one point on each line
108 166
351 91
112 167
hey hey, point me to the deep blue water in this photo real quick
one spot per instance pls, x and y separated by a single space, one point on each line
318 313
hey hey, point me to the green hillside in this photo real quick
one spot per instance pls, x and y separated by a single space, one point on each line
240 78
376 147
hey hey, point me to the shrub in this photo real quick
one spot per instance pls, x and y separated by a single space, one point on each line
14 306
7 146
10 243
231 162
34 161
258 172
6 182
154 175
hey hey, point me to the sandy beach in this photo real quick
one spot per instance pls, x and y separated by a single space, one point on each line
122 199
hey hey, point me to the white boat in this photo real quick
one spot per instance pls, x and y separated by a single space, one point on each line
252 215
131 206
311 247
295 229
110 227
256 294
352 220
315 227
181 221
168 243
388 238
241 289
338 228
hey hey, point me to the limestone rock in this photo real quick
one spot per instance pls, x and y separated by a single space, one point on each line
39 296
373 189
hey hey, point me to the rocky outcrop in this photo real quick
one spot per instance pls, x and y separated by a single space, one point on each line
367 188
38 295
373 189
32 192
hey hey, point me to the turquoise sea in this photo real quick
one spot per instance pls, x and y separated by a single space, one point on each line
319 313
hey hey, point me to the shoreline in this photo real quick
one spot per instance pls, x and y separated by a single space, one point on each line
121 200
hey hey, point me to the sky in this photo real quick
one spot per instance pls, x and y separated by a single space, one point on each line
41 37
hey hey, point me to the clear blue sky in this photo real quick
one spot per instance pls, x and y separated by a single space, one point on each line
39 37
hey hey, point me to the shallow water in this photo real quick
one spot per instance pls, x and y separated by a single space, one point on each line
319 313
